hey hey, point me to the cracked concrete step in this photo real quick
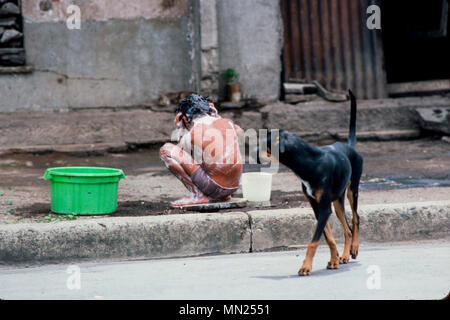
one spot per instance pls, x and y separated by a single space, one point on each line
101 148
82 149
380 119
70 148
383 135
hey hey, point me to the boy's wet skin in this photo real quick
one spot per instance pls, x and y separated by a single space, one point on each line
214 170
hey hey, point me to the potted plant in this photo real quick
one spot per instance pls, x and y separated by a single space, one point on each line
231 78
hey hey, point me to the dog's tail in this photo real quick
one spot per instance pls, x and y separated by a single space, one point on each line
352 130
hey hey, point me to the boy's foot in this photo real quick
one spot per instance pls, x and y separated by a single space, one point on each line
189 200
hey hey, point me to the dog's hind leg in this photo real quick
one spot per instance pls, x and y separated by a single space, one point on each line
352 195
340 213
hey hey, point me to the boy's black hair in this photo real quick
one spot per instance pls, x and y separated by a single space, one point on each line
193 105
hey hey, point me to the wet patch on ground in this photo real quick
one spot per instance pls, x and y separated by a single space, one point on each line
280 200
124 209
403 183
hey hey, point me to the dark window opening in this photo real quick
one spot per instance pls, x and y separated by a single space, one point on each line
416 40
12 51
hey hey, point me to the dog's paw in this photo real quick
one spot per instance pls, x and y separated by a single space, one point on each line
345 258
354 250
333 263
305 270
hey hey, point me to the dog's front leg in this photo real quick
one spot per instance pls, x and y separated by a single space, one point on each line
323 213
306 268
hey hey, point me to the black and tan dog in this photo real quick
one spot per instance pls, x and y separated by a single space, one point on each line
326 174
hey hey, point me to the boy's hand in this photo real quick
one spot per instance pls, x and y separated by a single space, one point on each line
179 120
215 113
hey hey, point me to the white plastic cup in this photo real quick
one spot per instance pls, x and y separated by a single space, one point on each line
257 186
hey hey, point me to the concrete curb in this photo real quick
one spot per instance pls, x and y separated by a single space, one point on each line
197 234
385 222
122 238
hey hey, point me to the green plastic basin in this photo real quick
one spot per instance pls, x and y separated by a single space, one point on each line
84 190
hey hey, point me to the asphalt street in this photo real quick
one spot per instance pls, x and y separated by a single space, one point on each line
382 271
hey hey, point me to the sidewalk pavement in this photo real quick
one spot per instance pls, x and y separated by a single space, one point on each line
183 235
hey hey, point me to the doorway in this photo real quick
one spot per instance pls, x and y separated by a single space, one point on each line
415 37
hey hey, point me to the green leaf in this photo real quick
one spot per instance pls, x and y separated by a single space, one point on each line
230 76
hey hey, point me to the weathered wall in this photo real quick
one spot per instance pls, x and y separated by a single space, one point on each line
209 44
125 54
250 39
34 10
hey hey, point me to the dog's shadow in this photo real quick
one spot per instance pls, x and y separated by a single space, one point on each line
316 273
